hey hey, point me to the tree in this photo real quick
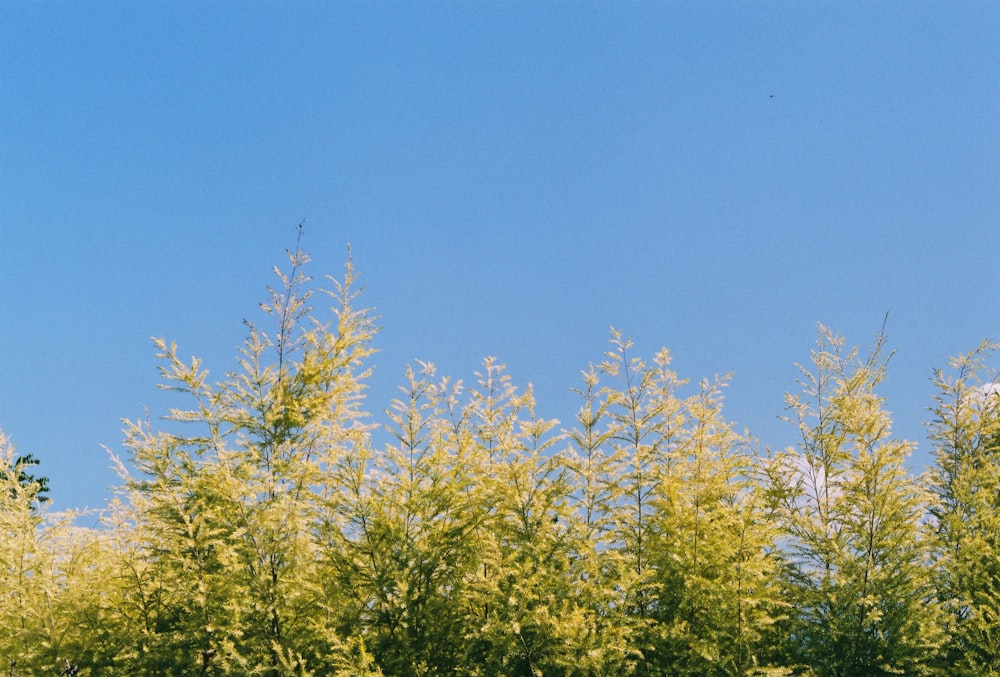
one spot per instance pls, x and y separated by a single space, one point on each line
20 562
965 482
268 527
715 560
523 615
857 555
646 416
685 521
47 568
33 489
606 646
225 571
403 550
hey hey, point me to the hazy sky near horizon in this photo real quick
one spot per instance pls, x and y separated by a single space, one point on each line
513 178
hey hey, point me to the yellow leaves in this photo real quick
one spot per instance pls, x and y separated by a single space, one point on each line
536 430
178 376
851 514
267 534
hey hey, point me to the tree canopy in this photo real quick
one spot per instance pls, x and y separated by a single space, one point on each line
260 529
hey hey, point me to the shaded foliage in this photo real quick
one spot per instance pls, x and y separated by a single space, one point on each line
30 487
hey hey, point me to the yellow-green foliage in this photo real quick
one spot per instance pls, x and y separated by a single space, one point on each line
966 508
269 526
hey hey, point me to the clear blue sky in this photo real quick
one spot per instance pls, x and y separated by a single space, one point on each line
513 177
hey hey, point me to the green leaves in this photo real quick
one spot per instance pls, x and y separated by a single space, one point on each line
857 557
269 526
966 507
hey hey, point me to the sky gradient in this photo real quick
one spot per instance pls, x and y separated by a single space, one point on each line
513 178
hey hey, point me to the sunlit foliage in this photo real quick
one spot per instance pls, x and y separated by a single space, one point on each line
966 508
857 554
270 525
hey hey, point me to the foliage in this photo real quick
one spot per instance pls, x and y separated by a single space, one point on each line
32 489
965 482
857 555
269 526
47 567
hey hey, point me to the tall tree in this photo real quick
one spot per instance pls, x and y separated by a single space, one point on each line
716 569
858 577
646 416
406 549
599 566
20 563
965 482
226 504
524 616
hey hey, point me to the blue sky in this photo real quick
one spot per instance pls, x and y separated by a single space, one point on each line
513 178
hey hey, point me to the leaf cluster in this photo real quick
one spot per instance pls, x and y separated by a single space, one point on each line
268 526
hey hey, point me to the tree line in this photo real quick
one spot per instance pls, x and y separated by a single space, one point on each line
259 529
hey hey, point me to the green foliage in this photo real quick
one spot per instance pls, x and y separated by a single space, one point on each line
47 567
225 568
966 508
267 526
32 489
718 573
686 519
857 574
